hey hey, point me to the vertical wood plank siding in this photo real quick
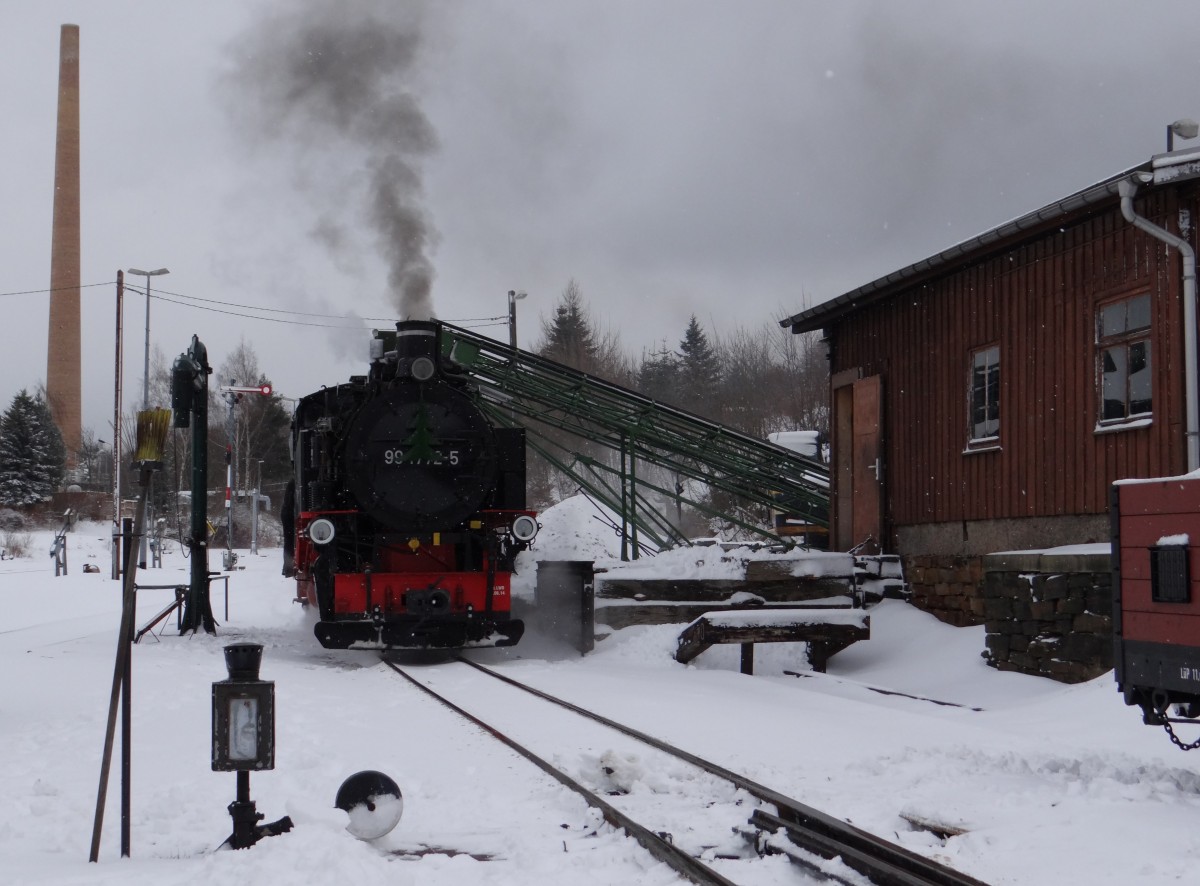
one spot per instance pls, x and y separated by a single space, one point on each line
1037 300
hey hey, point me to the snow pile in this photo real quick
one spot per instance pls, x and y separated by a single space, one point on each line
580 529
711 562
577 529
1080 550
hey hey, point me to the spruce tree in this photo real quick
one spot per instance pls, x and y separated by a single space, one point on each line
699 371
56 449
658 376
32 455
569 338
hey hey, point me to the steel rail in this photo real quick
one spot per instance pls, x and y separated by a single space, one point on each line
659 848
881 861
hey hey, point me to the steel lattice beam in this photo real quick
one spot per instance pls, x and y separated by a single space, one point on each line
520 387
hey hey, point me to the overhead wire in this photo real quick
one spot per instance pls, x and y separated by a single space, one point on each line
170 297
56 289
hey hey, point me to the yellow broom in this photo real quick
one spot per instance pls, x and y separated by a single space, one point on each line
152 428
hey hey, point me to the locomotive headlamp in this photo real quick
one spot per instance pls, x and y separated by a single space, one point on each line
321 531
524 528
422 369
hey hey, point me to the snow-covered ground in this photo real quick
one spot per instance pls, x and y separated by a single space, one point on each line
1053 784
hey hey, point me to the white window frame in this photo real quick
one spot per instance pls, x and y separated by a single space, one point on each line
983 379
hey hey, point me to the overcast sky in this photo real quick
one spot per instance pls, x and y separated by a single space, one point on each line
735 160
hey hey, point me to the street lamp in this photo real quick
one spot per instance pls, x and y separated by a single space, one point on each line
146 363
94 460
513 297
1183 128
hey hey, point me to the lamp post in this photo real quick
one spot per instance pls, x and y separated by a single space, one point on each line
146 381
94 460
254 499
1183 128
146 361
513 298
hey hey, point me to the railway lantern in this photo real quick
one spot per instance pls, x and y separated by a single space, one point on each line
243 738
243 714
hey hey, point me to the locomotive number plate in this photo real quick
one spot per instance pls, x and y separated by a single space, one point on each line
436 458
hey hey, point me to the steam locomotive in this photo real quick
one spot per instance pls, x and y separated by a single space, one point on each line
407 508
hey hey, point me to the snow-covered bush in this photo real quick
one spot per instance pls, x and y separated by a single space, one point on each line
11 520
15 544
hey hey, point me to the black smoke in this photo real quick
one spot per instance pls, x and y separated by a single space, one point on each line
330 88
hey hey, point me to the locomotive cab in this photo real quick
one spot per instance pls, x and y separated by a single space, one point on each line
409 504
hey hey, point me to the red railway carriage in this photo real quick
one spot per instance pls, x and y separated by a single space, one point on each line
1156 595
408 504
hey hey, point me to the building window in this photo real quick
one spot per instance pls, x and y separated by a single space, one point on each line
985 395
1123 336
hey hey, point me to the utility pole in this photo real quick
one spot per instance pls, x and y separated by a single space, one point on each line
231 399
513 297
116 445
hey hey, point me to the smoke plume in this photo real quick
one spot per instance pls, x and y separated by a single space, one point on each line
330 87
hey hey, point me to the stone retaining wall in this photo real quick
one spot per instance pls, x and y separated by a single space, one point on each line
948 587
1049 615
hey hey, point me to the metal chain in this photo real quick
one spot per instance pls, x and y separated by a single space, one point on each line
1175 739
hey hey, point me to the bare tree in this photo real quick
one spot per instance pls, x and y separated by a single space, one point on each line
803 395
773 380
260 423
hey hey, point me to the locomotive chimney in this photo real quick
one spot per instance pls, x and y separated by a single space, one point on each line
63 385
416 338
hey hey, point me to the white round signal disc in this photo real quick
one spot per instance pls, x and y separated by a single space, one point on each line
373 803
375 817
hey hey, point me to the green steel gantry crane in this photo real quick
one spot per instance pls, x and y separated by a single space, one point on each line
521 388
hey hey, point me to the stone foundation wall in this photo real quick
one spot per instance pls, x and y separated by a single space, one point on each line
948 587
1048 615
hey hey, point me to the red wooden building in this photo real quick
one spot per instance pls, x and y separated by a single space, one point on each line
985 398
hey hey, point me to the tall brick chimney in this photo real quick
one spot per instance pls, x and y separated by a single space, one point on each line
63 369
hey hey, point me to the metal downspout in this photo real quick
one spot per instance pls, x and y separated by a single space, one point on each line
1127 189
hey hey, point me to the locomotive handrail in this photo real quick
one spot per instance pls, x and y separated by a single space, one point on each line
517 383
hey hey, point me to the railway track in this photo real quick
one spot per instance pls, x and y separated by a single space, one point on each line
822 846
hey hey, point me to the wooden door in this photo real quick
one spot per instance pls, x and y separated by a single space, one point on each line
858 473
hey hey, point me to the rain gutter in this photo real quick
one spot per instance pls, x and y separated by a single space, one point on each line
1127 188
